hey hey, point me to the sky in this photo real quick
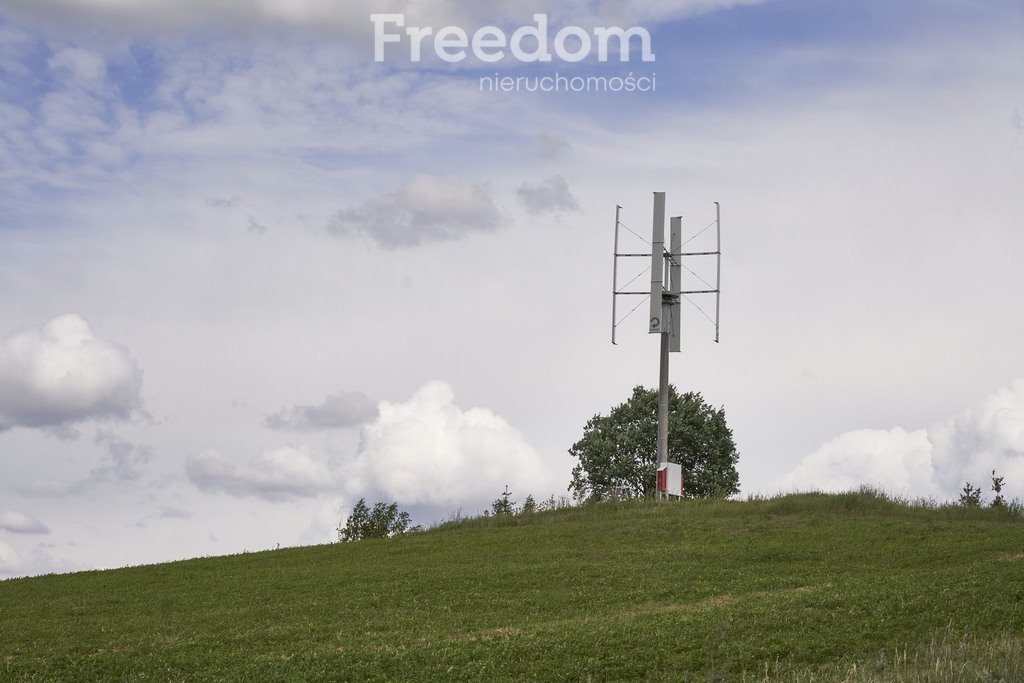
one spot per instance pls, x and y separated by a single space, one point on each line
250 274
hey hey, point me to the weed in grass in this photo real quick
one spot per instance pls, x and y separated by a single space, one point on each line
948 658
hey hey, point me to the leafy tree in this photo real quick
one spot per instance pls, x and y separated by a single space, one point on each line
618 452
383 521
529 506
997 488
970 497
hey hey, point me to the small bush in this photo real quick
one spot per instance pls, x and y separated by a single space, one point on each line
997 488
502 506
384 521
529 506
970 497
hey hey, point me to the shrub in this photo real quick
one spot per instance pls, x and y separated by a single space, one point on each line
383 521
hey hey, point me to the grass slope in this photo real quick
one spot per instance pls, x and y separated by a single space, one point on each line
800 587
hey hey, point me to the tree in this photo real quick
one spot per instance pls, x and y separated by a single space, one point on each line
997 488
970 496
502 505
384 521
618 451
529 506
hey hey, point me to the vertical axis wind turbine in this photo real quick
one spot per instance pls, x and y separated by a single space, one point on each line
665 296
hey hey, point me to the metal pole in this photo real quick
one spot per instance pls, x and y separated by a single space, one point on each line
663 404
615 269
718 277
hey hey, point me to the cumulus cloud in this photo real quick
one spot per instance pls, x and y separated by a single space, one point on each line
343 409
549 196
60 374
10 561
986 436
429 450
19 523
425 209
280 474
426 451
894 458
936 461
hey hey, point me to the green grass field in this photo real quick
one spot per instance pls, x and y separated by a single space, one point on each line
802 587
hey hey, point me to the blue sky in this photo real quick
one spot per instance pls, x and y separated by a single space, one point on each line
226 232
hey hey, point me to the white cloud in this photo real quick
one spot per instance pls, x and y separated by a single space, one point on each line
283 473
428 450
936 461
352 16
79 66
10 561
343 409
19 523
40 559
895 459
986 436
549 196
425 209
60 374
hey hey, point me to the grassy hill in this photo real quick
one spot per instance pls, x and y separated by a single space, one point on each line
803 587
